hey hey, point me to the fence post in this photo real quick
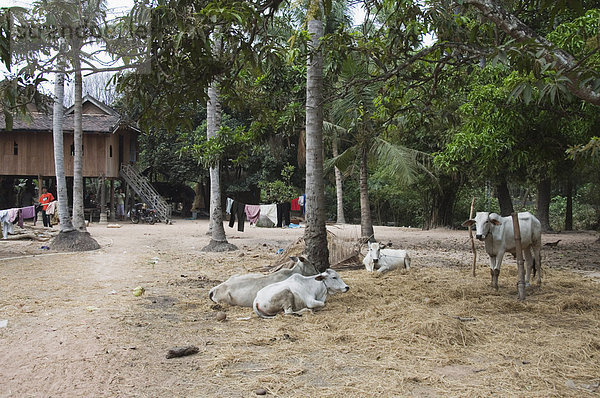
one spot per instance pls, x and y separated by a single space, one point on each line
520 262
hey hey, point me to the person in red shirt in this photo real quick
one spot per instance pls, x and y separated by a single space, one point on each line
45 198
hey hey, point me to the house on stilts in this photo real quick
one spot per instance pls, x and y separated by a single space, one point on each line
110 152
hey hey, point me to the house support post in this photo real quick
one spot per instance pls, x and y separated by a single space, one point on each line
113 207
103 219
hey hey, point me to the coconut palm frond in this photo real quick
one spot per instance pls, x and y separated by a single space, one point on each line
401 162
344 161
332 129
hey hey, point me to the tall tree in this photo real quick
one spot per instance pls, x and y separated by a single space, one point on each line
339 190
218 240
315 235
580 80
59 153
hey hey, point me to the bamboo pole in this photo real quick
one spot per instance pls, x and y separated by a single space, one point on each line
471 236
520 262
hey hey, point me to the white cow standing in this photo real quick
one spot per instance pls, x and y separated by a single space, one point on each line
241 289
297 294
499 237
385 259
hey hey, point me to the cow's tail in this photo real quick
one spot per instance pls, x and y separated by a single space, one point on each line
535 265
211 294
407 261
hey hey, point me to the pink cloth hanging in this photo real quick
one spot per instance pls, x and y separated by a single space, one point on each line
252 213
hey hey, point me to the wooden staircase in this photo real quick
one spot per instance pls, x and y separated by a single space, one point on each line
142 187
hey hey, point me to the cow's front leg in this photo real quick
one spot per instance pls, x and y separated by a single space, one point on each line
493 272
496 269
315 304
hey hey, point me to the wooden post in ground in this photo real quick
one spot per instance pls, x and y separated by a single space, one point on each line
103 219
520 262
471 236
127 199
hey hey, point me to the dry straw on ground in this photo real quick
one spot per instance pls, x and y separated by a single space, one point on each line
433 331
430 331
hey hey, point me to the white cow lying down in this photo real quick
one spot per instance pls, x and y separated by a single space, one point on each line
241 289
297 294
384 259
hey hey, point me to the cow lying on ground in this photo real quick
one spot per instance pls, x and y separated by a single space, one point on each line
241 289
384 259
298 294
499 237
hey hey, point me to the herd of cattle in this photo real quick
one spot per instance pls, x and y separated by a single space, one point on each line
302 288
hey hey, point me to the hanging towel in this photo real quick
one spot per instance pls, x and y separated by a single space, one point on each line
13 214
302 202
296 205
269 211
51 209
228 206
7 226
283 214
28 212
252 213
238 210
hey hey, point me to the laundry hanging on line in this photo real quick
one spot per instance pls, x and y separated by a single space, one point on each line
278 213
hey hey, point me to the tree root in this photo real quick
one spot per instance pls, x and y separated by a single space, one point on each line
219 246
74 241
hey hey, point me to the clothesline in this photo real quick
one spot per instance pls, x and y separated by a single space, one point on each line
8 217
278 213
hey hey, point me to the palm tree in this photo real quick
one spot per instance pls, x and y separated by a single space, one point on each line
315 235
339 191
218 241
87 11
59 153
354 113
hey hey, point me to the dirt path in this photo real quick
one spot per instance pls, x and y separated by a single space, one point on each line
76 329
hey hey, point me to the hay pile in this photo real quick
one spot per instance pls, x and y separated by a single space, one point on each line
344 252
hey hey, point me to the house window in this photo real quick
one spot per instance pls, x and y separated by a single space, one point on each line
16 148
110 151
132 148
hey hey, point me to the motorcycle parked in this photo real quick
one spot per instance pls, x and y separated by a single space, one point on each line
140 212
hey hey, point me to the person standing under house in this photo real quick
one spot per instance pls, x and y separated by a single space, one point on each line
45 198
120 198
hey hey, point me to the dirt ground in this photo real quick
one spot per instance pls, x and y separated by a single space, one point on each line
74 327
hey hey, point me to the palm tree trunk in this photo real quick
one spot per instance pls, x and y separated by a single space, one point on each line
366 221
218 240
59 153
78 214
341 219
213 119
315 235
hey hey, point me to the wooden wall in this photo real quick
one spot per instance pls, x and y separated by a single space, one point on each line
36 154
